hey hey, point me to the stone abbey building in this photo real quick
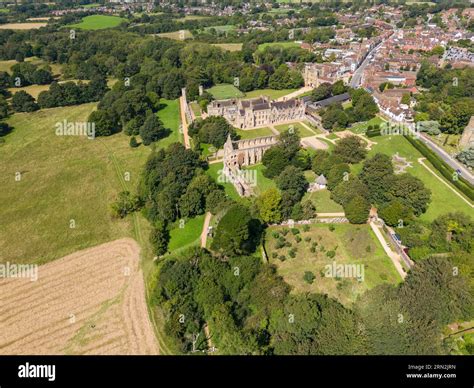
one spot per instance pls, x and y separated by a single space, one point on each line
242 153
257 112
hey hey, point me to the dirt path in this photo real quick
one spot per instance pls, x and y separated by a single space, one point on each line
89 302
420 160
395 257
184 123
205 227
340 214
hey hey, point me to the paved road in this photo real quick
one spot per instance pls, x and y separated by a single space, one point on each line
357 76
453 163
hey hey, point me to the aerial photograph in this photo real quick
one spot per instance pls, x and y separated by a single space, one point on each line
223 178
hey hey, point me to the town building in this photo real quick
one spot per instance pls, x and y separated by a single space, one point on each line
257 112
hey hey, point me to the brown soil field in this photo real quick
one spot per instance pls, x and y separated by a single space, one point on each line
21 26
89 302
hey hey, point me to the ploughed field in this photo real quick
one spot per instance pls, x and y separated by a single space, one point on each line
89 302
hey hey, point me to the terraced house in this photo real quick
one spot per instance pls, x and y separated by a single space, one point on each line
257 112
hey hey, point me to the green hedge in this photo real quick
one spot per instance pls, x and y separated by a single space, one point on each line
373 132
445 170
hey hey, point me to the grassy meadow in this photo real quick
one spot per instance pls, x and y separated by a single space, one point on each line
350 244
63 178
98 22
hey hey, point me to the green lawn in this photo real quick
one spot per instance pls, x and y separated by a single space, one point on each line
225 91
170 117
443 200
297 126
322 202
284 44
63 178
187 235
195 108
262 183
253 133
361 128
98 22
352 244
92 5
214 172
223 28
273 94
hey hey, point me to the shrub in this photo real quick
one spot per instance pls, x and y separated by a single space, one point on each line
298 239
330 254
305 228
295 231
309 277
332 228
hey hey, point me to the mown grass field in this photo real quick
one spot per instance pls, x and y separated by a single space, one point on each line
361 128
22 26
186 236
32 90
98 22
169 115
221 29
296 126
443 200
229 46
284 44
225 91
253 133
322 202
176 35
273 94
352 244
63 178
